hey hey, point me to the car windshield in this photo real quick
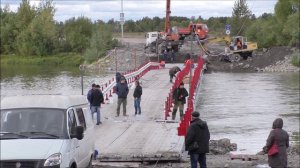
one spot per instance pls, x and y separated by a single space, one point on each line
33 123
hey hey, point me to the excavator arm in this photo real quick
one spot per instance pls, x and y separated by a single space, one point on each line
226 39
203 43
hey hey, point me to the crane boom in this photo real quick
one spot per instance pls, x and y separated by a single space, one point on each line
168 13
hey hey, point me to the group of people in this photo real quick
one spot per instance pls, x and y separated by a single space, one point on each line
168 56
122 91
95 97
198 135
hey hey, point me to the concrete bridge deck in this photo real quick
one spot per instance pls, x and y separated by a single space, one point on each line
141 137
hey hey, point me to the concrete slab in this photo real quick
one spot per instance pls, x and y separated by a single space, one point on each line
140 138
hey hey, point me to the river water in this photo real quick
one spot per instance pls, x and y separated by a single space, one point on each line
243 106
24 80
238 106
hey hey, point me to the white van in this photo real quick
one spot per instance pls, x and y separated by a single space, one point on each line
46 131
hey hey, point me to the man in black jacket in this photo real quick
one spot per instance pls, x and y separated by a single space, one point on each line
138 91
197 141
179 96
122 92
96 100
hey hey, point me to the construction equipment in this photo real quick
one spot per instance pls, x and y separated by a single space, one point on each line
199 29
234 45
172 38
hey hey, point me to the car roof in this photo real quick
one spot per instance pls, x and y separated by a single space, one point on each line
43 101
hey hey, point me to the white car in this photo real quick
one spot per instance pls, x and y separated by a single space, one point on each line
46 131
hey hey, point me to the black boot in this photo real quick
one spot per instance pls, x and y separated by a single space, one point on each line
174 114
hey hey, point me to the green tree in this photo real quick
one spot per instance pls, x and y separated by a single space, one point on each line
78 32
25 14
100 43
291 28
283 9
216 25
265 31
39 37
129 26
240 17
43 29
8 30
287 15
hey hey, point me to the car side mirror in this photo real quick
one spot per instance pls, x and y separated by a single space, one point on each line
78 133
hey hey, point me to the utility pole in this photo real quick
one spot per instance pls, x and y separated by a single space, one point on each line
81 68
122 21
190 81
134 58
116 59
156 49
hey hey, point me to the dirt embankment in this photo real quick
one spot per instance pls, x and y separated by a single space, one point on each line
133 53
275 59
127 57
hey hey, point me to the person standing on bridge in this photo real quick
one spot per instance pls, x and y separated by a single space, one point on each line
138 91
89 94
197 141
122 92
96 100
179 96
173 71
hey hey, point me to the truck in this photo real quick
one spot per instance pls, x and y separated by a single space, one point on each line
172 38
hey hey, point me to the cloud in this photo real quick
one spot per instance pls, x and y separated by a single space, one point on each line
137 9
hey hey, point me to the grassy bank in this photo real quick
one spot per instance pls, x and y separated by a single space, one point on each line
62 59
296 59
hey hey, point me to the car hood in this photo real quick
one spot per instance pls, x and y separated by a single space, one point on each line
29 148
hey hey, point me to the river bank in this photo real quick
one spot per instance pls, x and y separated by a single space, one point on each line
132 54
61 59
224 161
275 59
213 161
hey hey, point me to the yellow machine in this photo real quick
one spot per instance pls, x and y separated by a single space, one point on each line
235 45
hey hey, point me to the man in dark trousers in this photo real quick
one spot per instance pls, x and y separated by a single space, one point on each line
179 96
96 100
138 91
122 92
173 71
197 141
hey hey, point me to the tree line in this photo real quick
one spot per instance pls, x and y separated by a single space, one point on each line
32 31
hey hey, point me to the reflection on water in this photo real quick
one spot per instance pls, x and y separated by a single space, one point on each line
243 106
23 80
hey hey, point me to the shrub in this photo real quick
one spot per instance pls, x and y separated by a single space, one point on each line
296 59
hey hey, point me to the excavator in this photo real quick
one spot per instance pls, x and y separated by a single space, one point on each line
171 39
237 45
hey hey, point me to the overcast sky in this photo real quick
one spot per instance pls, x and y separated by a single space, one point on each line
137 9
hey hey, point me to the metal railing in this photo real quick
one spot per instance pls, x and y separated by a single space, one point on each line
131 76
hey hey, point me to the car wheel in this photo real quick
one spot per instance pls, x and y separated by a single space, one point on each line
73 165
